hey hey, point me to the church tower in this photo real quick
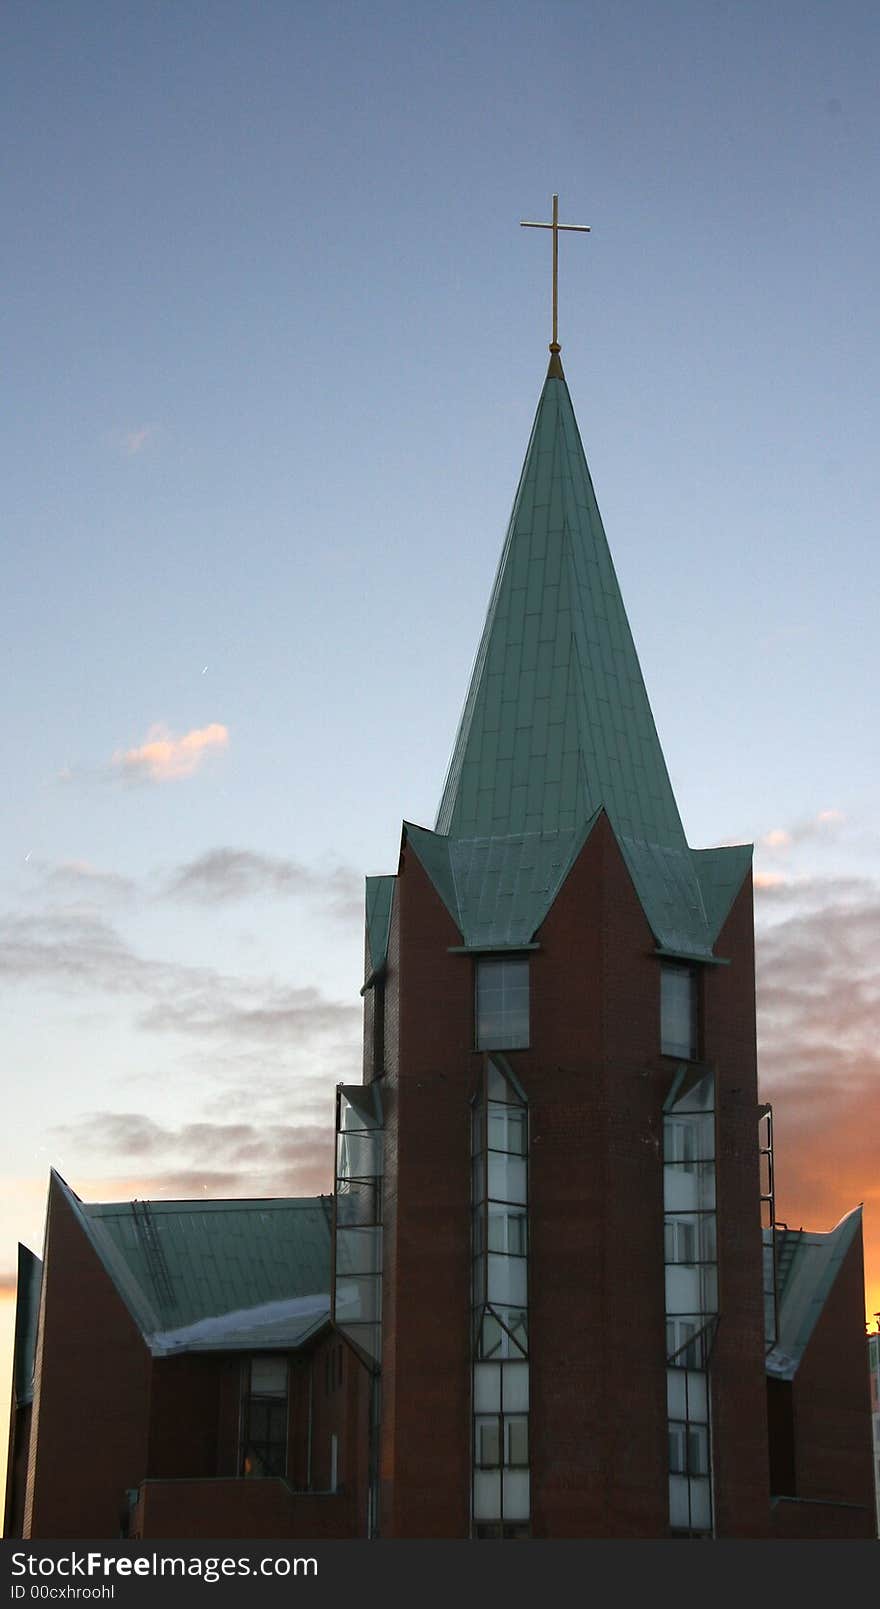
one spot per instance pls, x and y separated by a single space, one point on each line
548 1239
549 1298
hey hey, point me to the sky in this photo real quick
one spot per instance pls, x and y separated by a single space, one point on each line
273 341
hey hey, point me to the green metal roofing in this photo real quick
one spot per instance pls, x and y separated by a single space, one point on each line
497 890
808 1278
206 1275
27 1307
721 873
380 893
557 726
557 721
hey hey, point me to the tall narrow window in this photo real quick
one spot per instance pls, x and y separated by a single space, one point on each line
691 1259
264 1417
502 1004
678 1011
499 1159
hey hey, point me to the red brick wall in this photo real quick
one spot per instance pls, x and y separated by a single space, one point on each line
429 1070
596 1084
832 1423
241 1508
183 1496
740 1449
89 1427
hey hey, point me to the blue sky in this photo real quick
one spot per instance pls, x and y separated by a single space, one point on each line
273 344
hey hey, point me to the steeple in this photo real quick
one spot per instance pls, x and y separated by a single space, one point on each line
557 725
557 721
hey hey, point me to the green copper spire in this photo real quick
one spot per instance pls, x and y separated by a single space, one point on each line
557 721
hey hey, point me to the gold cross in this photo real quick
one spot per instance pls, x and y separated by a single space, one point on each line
580 228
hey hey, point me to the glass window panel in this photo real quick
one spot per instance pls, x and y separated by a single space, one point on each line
516 1440
516 1494
503 1003
487 1442
507 1280
676 1401
515 1387
678 1011
678 1448
507 1177
359 1156
500 1087
478 1175
679 1507
357 1299
269 1377
258 1421
709 1288
507 1128
479 1281
515 1321
683 1289
487 1494
700 1097
492 1342
701 1505
697 1396
487 1387
698 1449
708 1238
684 1347
350 1117
358 1251
476 1131
689 1187
357 1204
690 1138
507 1230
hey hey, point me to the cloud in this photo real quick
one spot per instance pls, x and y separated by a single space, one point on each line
8 1284
135 440
223 875
817 942
276 1013
204 1158
220 876
165 758
76 949
782 839
79 879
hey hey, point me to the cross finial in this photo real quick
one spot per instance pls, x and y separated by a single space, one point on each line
579 228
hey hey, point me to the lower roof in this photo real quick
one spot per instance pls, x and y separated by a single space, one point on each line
807 1264
216 1275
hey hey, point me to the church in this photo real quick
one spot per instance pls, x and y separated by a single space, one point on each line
548 1297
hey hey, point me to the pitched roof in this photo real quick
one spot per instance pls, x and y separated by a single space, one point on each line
215 1275
557 726
808 1264
380 893
497 890
557 721
27 1306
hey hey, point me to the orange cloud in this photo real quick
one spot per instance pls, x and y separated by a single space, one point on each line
826 1149
818 1004
165 758
768 879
